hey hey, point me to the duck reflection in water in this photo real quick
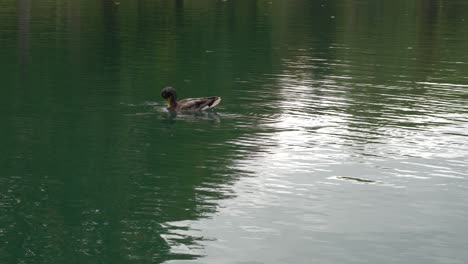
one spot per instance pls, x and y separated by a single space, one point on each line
194 116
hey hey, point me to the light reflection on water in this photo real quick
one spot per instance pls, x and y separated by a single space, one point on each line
332 167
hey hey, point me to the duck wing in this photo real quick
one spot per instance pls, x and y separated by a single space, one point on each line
195 104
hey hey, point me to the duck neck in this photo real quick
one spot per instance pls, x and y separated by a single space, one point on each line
172 102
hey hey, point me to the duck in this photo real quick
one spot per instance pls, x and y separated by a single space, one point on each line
189 104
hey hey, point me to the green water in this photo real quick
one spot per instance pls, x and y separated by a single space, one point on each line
342 136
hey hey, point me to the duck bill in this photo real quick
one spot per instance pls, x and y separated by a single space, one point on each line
168 100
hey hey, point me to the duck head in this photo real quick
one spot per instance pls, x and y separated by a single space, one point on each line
170 95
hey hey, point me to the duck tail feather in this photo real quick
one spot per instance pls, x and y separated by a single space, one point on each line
216 101
211 103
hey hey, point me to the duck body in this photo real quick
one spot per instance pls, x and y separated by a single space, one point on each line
190 104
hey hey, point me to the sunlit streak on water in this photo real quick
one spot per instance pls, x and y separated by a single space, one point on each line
331 134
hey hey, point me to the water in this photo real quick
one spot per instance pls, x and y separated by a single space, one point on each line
341 138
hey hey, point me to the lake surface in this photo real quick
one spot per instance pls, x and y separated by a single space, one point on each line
342 136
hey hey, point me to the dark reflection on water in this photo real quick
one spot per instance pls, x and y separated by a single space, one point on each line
343 125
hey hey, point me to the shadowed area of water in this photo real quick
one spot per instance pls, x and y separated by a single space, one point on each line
342 136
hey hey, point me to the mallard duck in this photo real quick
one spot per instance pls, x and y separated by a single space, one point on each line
190 104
